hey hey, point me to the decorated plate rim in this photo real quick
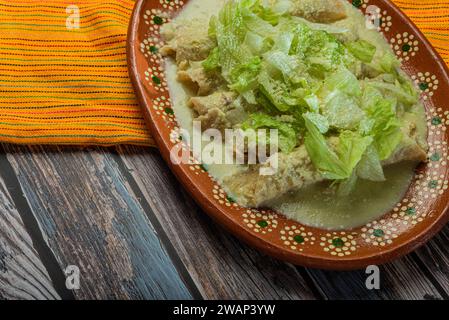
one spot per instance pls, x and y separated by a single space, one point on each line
412 239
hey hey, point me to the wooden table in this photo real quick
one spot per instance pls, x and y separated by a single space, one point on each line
120 216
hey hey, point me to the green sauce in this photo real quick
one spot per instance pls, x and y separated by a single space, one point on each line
318 206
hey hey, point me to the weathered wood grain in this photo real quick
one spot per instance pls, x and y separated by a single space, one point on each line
435 256
93 220
91 204
221 266
22 274
404 280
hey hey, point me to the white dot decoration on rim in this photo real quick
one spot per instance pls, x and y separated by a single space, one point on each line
176 136
196 166
379 233
386 22
171 4
406 212
339 243
162 107
427 185
438 155
437 122
405 46
260 221
379 18
296 237
155 18
432 185
156 78
361 4
150 48
220 195
427 83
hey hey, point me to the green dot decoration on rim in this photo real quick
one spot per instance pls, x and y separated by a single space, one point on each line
298 239
338 242
262 223
378 233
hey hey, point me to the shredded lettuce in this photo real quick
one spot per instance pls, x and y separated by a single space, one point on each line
345 81
312 102
340 163
213 60
256 43
345 187
342 111
389 63
287 135
286 67
322 156
370 166
332 29
386 127
230 33
402 92
371 96
318 120
276 92
362 50
258 25
351 148
284 41
244 75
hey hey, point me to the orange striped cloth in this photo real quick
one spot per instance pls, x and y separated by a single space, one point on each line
432 18
61 86
67 86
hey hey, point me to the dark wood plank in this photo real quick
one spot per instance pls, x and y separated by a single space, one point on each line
93 220
221 266
404 279
22 273
435 257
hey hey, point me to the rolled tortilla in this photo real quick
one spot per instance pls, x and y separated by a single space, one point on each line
296 171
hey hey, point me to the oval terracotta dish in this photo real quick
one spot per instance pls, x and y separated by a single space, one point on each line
413 221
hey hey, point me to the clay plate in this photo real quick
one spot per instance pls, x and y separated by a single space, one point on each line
414 220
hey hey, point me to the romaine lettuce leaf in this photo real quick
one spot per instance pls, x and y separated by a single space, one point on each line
404 93
286 134
344 81
338 164
230 32
258 25
213 60
318 120
386 128
329 28
370 97
287 67
255 43
389 63
362 50
347 186
244 76
322 156
276 92
342 111
271 11
351 147
312 102
370 167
